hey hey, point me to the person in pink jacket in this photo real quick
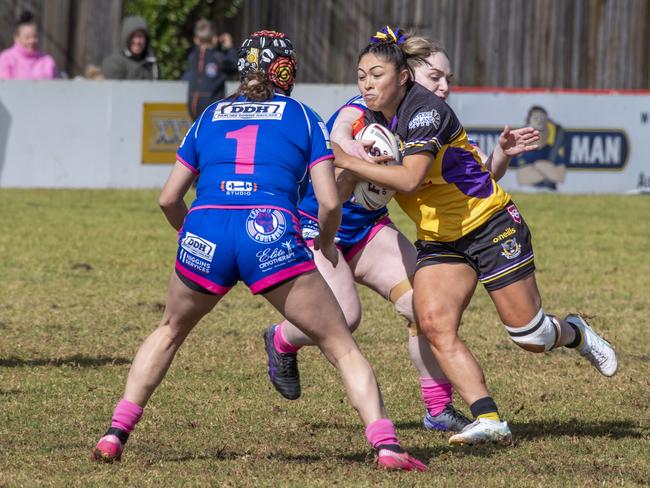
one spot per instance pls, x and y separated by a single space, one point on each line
23 61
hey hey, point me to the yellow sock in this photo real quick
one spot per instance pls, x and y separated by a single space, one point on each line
490 416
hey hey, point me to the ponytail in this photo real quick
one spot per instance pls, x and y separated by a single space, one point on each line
256 86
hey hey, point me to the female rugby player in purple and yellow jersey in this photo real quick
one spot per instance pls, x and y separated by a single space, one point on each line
255 152
366 238
469 230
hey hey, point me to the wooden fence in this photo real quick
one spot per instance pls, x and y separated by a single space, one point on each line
508 43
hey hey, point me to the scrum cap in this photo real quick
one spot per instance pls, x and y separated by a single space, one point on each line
271 52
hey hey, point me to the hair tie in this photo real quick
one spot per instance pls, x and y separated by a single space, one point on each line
389 35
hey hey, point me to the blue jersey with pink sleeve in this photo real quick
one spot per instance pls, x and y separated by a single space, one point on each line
354 217
254 153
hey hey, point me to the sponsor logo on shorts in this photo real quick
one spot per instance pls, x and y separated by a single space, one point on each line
309 230
270 257
238 188
198 246
425 119
506 233
266 225
514 213
194 262
249 110
510 249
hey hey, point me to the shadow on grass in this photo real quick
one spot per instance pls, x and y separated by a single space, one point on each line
78 361
614 429
224 455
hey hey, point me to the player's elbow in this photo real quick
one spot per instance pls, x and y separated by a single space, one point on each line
167 201
408 187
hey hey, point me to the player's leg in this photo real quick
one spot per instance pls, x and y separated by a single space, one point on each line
442 291
391 280
284 340
308 302
520 308
504 251
184 308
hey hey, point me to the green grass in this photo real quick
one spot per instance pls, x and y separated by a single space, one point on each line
83 277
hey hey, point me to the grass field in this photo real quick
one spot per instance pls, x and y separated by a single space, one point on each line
83 277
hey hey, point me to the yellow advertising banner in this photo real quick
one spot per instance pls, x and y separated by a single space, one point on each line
163 127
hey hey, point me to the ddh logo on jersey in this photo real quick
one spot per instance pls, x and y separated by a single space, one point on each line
265 225
198 246
249 110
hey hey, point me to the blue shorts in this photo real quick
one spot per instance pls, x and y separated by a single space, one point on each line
349 241
262 246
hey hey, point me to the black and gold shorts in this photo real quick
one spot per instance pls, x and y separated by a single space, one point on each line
500 251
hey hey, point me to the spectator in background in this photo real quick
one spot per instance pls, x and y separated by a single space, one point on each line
208 65
134 60
23 61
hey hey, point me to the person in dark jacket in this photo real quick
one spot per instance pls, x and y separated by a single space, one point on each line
134 60
208 65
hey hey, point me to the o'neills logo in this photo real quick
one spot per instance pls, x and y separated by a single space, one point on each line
506 233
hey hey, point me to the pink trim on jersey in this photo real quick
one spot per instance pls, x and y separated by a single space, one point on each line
246 207
205 283
354 250
276 278
320 160
189 166
305 214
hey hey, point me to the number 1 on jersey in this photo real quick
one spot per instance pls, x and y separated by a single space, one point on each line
246 138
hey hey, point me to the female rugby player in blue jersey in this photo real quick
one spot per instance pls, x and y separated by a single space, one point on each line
255 152
469 230
374 253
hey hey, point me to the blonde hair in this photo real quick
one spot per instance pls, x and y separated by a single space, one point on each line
417 49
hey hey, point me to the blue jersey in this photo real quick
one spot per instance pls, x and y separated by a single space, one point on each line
354 217
254 153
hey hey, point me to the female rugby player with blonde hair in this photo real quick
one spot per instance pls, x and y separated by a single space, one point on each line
368 238
469 230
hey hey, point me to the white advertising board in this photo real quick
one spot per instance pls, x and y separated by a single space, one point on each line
89 134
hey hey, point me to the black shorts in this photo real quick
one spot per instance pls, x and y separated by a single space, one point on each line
500 251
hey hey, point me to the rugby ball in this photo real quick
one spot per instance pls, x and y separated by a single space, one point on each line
370 195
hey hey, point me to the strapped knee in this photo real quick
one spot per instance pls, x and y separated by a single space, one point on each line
543 330
402 297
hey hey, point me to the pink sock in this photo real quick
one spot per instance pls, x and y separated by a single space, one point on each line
436 394
381 432
126 415
281 344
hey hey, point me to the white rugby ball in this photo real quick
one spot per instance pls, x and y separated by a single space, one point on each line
370 195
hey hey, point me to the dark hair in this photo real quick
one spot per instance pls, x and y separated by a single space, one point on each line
403 50
25 18
256 86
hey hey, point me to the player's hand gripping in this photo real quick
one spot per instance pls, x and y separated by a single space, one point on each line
329 250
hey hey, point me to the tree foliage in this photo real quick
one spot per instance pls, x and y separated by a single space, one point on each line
171 24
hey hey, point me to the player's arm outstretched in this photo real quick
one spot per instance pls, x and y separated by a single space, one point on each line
512 142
